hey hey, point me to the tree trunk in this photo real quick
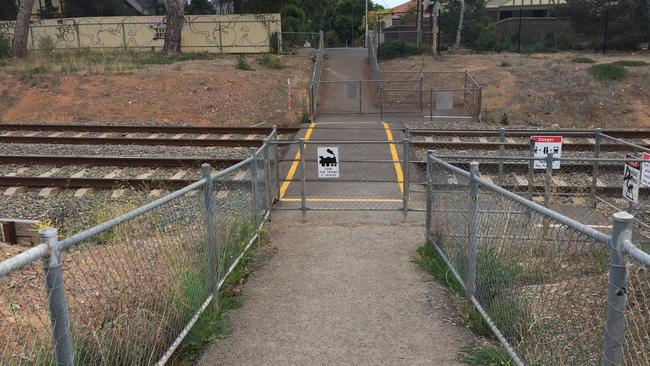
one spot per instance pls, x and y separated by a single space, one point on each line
21 32
175 18
460 24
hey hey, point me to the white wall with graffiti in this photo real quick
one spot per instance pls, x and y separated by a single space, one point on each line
241 33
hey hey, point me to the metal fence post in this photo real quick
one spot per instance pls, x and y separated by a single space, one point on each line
360 97
57 301
616 291
531 169
473 229
254 189
549 179
267 175
594 174
277 167
208 208
381 103
431 107
303 199
406 181
502 139
421 97
429 194
123 35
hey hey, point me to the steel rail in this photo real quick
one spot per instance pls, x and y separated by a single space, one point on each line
115 161
106 183
145 129
130 141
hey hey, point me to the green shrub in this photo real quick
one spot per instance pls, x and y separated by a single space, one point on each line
582 60
485 355
270 60
46 44
623 43
607 72
5 45
630 63
393 49
488 41
242 64
430 261
504 120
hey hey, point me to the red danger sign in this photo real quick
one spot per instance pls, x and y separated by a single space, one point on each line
556 139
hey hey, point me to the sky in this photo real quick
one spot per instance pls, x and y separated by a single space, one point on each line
389 3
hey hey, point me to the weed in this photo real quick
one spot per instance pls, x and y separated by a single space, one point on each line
504 119
46 44
506 63
393 49
242 64
304 115
430 261
630 63
269 60
582 60
485 355
604 72
477 325
5 45
177 68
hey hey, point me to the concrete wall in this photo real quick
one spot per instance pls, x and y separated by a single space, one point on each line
210 33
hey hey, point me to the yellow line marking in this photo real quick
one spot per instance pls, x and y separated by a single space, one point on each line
349 123
294 165
342 200
396 163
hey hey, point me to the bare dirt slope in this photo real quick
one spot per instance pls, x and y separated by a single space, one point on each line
341 292
549 89
205 92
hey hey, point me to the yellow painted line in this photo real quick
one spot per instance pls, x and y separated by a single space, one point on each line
342 200
347 123
294 165
396 163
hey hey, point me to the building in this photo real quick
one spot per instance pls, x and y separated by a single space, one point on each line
503 9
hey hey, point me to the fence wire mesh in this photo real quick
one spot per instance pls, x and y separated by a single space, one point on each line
135 285
540 278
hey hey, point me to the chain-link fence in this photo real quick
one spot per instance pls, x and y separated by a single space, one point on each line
289 42
126 292
552 290
314 84
397 97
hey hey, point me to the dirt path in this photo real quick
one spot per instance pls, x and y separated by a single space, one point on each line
341 292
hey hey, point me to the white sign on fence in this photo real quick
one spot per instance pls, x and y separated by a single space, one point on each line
632 180
645 171
545 145
328 162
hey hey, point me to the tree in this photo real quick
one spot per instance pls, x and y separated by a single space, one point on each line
627 21
199 7
174 26
475 21
95 8
8 10
459 28
48 11
21 30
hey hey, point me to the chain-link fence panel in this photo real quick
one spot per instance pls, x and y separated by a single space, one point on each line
25 327
127 291
541 280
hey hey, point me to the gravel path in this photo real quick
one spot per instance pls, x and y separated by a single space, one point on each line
341 292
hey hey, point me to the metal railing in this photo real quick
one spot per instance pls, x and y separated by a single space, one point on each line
129 290
315 80
550 289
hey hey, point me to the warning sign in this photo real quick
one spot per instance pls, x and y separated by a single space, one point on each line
645 170
328 162
632 180
545 145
